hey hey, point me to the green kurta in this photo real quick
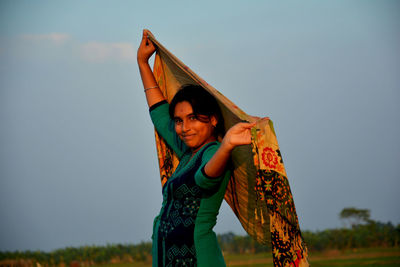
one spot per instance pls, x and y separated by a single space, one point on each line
182 234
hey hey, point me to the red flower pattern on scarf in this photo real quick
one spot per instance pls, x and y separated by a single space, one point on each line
270 158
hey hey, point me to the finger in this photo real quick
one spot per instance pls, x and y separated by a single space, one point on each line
145 37
147 32
247 125
144 40
150 44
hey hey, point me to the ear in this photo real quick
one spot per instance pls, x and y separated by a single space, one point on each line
214 121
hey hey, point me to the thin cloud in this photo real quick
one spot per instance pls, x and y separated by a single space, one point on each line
95 52
100 52
56 38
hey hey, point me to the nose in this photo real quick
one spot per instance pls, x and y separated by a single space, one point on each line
185 126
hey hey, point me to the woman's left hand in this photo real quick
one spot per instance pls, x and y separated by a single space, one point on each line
239 134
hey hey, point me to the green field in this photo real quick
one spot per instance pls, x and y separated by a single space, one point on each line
387 257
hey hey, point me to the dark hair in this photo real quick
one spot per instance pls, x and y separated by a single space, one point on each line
202 102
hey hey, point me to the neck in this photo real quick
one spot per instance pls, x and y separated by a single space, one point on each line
195 150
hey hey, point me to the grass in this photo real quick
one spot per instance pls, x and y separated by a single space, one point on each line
386 257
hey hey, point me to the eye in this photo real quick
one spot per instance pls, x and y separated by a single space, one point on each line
177 121
192 118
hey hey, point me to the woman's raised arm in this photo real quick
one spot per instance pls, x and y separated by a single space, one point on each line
239 134
145 51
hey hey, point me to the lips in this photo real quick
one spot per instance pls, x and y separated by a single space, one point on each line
188 136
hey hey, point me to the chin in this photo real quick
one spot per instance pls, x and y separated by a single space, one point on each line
193 147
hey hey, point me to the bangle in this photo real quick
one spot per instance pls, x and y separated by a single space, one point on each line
145 89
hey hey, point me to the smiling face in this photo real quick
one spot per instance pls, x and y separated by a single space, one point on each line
194 130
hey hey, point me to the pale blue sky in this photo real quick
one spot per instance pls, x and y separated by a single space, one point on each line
77 159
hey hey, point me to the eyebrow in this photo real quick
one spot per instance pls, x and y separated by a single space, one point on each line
191 114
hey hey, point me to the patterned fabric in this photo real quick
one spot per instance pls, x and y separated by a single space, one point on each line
258 191
175 233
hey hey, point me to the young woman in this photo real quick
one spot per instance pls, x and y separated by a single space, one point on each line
192 196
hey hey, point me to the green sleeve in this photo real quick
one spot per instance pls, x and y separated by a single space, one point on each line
201 178
165 127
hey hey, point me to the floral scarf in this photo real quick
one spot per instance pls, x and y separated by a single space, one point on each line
258 192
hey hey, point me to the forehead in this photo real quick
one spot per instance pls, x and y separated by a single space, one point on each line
183 109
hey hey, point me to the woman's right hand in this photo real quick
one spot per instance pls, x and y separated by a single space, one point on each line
146 48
